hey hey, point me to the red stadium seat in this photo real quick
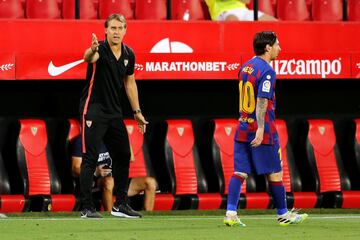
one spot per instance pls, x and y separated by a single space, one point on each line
37 169
266 6
223 157
11 9
184 167
349 144
187 10
308 4
353 10
357 149
59 132
357 141
142 166
72 131
291 177
9 202
151 9
88 9
295 10
327 10
323 155
124 7
274 4
43 9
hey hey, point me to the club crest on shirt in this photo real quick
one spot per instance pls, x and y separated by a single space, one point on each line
34 130
321 130
88 123
266 86
228 130
126 62
180 131
130 129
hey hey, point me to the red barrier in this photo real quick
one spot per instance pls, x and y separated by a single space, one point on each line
35 49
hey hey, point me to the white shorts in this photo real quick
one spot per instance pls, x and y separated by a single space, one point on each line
242 14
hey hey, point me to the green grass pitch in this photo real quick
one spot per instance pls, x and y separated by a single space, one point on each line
182 225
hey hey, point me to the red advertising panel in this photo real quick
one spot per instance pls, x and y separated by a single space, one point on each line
187 66
53 49
355 69
311 65
7 66
49 66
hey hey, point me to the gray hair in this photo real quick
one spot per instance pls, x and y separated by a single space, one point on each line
115 16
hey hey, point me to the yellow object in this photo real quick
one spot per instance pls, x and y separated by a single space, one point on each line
216 7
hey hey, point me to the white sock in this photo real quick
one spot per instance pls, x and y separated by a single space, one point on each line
283 215
231 213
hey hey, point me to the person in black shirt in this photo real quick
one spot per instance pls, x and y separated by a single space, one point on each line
104 182
110 68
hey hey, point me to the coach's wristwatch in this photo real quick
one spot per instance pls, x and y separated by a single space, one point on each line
137 111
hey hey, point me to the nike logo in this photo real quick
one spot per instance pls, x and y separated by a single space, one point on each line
55 71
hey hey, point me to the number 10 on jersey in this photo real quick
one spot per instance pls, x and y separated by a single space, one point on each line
247 97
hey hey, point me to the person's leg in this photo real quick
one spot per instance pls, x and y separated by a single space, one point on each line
231 17
235 185
150 192
267 160
266 17
92 133
146 185
106 185
242 166
248 15
277 191
117 142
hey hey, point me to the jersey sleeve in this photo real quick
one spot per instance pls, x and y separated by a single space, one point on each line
131 64
76 147
266 85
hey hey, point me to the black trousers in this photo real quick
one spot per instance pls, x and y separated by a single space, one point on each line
112 132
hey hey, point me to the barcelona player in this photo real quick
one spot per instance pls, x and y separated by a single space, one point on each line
256 139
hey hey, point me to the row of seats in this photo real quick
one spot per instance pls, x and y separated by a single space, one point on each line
316 10
297 10
40 152
89 9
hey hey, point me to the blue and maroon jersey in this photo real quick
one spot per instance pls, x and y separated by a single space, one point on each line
256 80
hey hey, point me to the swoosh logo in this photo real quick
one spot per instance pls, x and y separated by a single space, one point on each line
55 71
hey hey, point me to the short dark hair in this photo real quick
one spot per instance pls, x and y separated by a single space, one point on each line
262 39
116 16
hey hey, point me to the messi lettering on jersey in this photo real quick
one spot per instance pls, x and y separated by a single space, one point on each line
256 80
